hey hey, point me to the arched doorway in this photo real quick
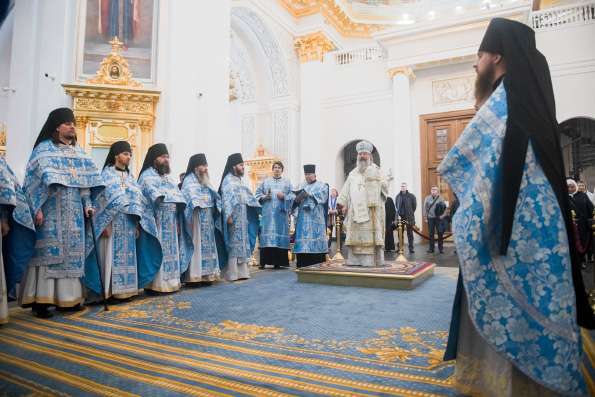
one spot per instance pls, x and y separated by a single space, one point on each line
349 156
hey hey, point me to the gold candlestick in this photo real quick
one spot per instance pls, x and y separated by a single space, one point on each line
338 228
400 235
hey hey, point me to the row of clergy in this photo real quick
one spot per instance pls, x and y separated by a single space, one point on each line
74 232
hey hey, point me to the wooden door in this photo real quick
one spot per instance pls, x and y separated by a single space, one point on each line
439 132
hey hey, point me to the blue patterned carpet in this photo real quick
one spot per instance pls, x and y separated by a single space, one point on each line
268 336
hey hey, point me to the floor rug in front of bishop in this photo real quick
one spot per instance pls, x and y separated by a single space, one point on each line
267 336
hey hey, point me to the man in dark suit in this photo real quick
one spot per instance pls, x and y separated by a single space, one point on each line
406 204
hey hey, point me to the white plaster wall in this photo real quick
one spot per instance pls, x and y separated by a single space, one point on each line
193 74
193 57
356 104
5 56
270 118
43 42
571 55
354 79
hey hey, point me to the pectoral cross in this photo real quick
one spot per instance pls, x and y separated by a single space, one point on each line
361 184
122 179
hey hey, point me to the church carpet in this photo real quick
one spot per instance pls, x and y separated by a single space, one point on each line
268 336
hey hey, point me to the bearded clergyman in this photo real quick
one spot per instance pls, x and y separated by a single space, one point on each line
520 297
362 199
202 221
168 206
127 243
240 217
59 180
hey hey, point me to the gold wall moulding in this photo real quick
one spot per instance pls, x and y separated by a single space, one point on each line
2 138
301 8
333 14
404 70
113 107
106 114
114 69
313 47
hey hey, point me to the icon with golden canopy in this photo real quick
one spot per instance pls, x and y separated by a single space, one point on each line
114 69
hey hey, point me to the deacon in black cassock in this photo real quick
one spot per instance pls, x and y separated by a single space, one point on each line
583 210
391 212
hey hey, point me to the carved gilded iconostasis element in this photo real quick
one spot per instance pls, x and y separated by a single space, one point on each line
112 106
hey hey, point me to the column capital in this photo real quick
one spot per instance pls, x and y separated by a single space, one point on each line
312 47
407 71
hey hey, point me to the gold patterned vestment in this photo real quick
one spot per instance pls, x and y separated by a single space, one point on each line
364 194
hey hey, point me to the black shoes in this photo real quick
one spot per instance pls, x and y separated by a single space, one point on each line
41 311
75 308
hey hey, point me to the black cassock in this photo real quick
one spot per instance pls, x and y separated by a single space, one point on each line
391 212
583 208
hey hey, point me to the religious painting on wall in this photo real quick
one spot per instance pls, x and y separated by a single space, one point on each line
134 22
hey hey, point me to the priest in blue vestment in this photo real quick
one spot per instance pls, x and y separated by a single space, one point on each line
59 181
276 198
240 219
311 203
520 298
202 221
168 206
18 236
129 249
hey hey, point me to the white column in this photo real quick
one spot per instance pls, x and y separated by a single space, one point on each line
311 113
42 58
193 115
311 50
403 163
294 163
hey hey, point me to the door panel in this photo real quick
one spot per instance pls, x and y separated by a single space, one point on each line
439 132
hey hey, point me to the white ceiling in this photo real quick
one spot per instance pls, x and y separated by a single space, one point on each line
411 12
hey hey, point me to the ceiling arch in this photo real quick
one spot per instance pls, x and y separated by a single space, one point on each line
277 68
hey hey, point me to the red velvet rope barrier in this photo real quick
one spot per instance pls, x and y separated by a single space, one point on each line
417 231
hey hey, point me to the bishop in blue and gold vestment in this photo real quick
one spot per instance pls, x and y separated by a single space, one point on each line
168 206
18 236
240 219
202 221
59 181
129 249
520 298
276 198
311 203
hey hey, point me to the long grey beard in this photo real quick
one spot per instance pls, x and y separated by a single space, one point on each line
363 164
204 179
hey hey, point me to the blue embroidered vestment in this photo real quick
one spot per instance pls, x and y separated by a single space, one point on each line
522 304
